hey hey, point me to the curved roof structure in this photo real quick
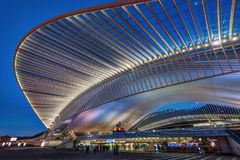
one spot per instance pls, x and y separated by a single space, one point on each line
183 116
221 90
74 63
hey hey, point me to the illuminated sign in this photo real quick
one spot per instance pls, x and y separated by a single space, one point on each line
13 139
110 140
43 144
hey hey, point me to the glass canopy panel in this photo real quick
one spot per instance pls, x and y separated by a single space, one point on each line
127 35
145 30
73 42
197 8
106 25
83 35
236 23
151 27
167 25
154 31
131 25
114 29
225 17
185 12
176 19
211 9
106 36
157 24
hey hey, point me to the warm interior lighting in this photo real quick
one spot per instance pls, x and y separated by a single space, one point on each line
224 40
235 38
43 144
215 43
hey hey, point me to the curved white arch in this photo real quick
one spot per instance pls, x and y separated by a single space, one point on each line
222 90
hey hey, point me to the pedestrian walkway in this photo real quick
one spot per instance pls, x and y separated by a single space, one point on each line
185 156
48 154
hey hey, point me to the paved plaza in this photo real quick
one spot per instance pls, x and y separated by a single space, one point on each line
47 154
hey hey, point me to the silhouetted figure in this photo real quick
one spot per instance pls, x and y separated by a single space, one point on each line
87 149
116 149
77 148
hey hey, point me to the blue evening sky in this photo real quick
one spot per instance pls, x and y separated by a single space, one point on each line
17 17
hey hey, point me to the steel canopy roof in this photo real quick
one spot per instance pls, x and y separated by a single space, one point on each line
66 57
